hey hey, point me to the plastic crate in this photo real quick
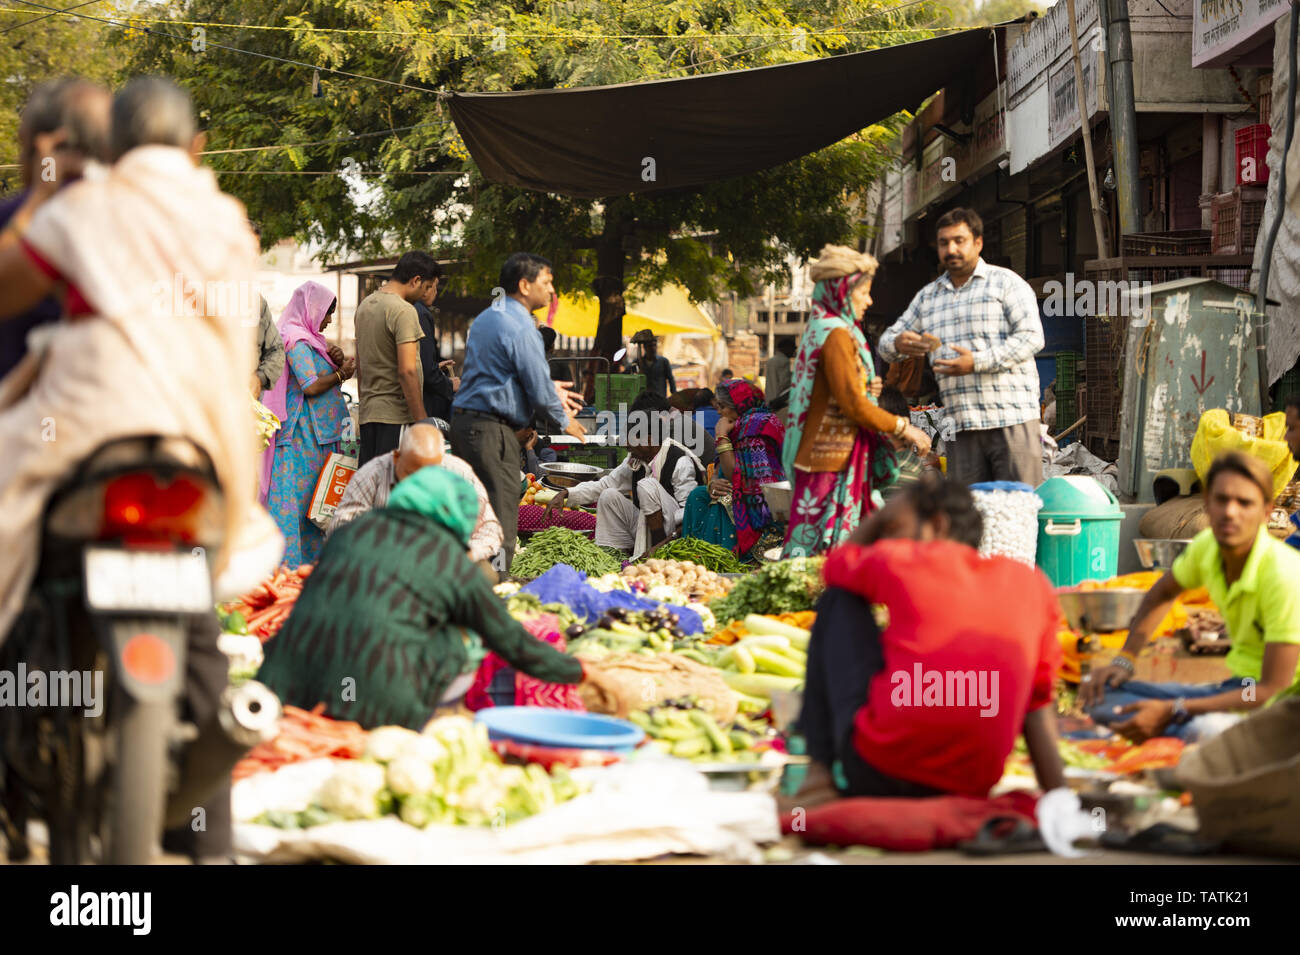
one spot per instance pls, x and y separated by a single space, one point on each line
1066 413
1067 375
1181 242
615 390
1287 385
1252 144
1237 216
1104 339
596 457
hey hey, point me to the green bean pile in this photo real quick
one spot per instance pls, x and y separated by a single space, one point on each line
559 545
715 558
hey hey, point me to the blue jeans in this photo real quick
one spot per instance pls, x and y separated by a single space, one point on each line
1197 728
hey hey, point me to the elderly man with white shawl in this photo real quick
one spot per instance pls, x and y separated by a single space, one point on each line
157 268
639 504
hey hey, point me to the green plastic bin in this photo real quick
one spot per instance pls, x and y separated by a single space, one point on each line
1078 530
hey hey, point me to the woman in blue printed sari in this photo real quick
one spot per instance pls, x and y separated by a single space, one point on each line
308 402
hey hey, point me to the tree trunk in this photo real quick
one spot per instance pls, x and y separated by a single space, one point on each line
611 269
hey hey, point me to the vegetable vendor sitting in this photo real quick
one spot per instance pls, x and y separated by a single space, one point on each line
1254 580
378 632
930 702
732 511
639 504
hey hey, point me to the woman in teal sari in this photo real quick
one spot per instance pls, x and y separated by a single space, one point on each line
836 452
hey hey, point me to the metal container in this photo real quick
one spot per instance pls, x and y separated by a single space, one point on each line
1100 611
778 498
1155 553
563 474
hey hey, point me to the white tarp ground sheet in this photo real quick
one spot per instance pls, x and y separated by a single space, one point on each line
636 810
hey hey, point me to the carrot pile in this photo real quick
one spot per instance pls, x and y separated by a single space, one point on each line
1160 752
303 736
267 606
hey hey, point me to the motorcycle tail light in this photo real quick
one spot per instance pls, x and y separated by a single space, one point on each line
143 508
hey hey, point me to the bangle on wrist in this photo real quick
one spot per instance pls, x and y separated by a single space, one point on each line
1125 664
900 427
1131 657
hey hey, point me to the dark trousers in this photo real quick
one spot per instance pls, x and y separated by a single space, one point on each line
843 656
1014 453
492 450
377 438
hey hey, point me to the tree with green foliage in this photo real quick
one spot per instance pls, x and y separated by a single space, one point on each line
379 166
34 48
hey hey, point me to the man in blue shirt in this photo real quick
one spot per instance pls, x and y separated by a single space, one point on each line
506 382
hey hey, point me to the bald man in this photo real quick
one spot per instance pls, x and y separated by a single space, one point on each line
421 446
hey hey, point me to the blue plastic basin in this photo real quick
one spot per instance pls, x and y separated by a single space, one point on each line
561 728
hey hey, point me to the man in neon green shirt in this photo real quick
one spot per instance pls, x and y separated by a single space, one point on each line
1254 580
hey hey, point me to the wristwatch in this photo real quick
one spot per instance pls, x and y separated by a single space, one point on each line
1181 715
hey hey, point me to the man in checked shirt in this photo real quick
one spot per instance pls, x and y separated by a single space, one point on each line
986 319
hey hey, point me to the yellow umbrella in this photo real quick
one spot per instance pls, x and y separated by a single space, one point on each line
668 312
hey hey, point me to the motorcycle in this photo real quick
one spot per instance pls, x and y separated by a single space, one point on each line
122 609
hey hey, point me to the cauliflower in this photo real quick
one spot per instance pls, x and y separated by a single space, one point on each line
706 615
450 729
423 810
508 588
354 791
425 748
384 743
409 775
666 593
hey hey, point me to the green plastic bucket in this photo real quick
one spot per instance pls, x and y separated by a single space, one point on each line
1078 530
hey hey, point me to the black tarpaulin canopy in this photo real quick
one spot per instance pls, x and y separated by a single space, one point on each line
600 141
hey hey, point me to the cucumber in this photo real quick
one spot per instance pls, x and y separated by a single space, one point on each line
716 737
743 659
766 625
770 662
689 748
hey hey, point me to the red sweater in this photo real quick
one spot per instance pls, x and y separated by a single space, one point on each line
969 651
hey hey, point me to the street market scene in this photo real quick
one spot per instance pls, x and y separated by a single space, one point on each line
766 432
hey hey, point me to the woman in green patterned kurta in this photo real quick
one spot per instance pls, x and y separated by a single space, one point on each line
376 633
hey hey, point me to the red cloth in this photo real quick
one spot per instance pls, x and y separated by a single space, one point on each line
529 691
969 651
75 303
905 825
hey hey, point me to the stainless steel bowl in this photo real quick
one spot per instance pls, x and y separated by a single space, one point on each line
566 474
1101 611
1157 553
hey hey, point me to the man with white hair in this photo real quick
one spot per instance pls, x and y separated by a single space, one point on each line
421 446
70 116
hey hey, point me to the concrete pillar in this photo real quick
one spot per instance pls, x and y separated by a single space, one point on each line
1211 123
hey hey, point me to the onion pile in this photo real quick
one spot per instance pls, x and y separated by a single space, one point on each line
696 582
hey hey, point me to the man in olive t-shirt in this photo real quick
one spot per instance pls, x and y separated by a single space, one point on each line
390 378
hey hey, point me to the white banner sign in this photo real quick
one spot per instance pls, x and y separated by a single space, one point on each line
1063 99
1223 27
1048 38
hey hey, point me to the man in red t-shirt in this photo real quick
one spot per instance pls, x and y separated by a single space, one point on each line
931 704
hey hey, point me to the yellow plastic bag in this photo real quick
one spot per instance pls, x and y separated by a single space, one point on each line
1215 435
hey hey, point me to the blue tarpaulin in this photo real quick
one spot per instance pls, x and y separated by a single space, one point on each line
565 585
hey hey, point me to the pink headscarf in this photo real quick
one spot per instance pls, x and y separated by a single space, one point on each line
300 322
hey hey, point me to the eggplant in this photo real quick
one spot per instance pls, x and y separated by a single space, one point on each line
575 631
605 622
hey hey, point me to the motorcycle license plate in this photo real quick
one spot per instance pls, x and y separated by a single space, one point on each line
127 580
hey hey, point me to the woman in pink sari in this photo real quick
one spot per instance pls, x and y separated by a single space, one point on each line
307 401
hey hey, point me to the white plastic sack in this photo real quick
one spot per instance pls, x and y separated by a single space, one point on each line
635 810
1010 523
